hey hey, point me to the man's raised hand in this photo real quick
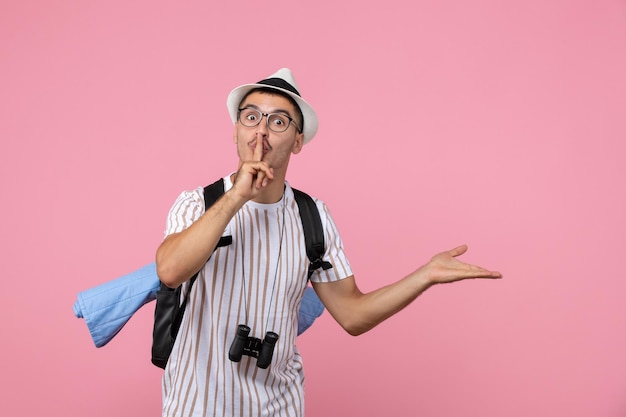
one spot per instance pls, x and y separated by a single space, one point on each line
445 267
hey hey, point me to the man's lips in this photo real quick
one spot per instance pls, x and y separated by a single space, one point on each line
266 147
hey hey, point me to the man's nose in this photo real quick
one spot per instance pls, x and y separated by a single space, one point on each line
262 126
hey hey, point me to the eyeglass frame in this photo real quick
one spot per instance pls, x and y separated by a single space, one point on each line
267 119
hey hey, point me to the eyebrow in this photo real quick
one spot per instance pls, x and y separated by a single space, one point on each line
254 106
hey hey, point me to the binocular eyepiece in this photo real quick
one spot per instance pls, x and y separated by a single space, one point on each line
242 344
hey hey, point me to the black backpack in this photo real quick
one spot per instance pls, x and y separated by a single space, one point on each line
169 311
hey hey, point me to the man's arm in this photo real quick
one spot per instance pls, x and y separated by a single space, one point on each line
358 313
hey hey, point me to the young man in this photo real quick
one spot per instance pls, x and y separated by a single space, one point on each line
259 279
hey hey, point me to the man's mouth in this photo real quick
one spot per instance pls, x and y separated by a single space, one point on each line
266 147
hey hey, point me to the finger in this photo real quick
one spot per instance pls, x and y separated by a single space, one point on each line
264 174
458 251
475 271
261 179
486 274
258 149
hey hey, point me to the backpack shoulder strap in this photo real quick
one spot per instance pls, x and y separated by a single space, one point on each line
212 193
313 231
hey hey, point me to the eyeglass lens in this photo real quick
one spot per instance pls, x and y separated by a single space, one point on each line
275 121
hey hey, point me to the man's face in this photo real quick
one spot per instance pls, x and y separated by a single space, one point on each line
277 147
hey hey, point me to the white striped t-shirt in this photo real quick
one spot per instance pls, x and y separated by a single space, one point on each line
258 280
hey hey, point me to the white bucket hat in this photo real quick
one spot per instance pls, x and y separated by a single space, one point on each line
283 81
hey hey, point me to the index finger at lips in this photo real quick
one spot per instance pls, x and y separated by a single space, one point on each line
258 149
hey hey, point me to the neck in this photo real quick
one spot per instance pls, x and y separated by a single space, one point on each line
272 193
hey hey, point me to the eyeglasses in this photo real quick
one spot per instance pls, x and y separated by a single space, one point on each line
276 122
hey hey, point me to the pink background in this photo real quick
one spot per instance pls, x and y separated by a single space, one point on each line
496 124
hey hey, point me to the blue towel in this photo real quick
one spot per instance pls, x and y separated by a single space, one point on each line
311 308
107 308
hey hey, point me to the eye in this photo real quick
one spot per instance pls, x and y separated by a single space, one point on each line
250 115
279 120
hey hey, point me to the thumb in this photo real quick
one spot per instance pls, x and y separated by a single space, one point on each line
458 251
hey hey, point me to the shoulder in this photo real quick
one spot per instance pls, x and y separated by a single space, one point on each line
290 194
187 197
291 191
196 195
188 207
311 204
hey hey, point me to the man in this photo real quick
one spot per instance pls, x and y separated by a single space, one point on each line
259 279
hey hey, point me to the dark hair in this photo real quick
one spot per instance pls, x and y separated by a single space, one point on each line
268 90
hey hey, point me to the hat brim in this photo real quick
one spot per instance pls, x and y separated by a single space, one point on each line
310 118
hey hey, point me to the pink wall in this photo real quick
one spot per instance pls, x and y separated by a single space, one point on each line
497 125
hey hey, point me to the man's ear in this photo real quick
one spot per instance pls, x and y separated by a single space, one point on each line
298 144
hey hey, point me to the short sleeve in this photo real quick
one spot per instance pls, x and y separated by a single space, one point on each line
334 250
187 208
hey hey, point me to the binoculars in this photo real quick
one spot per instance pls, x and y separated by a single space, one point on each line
242 344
